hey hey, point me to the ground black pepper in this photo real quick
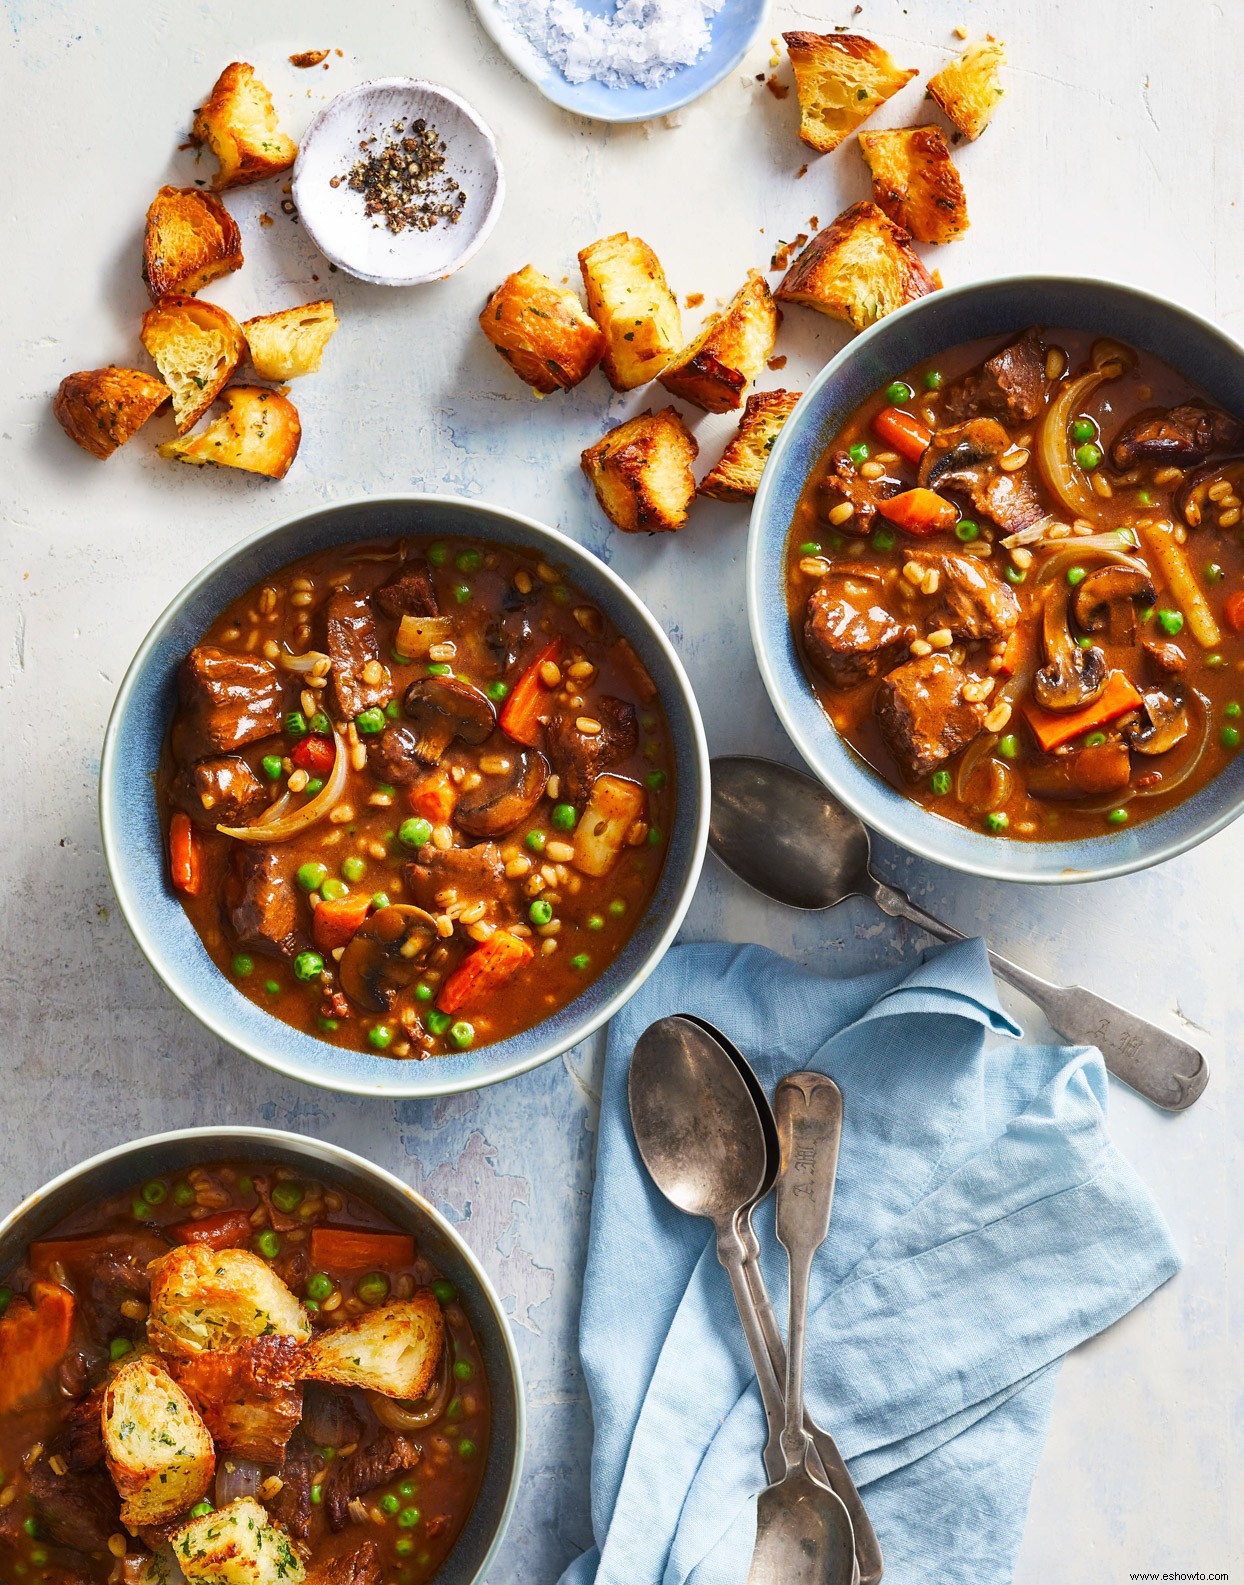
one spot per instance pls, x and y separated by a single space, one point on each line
403 181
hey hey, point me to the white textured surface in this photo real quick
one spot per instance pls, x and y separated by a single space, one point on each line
1117 153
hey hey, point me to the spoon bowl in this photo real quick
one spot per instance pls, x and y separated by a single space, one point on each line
800 1538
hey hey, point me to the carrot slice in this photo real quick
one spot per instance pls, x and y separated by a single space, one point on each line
359 1249
433 797
919 512
1233 610
314 754
1054 728
521 716
484 971
907 435
337 918
1008 661
34 1334
225 1230
183 855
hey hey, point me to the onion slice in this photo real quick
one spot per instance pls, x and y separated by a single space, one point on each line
237 1477
1064 478
400 1415
289 825
305 664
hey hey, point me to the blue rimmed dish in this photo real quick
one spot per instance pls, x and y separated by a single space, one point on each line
133 848
1190 344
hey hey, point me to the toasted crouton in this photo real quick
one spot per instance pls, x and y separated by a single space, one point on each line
239 125
209 1298
967 90
641 472
103 408
541 331
196 347
841 79
158 1450
237 1545
737 474
916 183
716 368
394 1350
249 1394
860 268
291 342
629 298
259 432
190 239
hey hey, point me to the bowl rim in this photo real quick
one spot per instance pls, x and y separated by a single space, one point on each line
112 843
352 1162
758 604
436 91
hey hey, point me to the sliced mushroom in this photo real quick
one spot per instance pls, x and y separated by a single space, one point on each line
385 955
442 709
954 455
1106 599
1073 674
500 802
1183 436
1166 726
1192 497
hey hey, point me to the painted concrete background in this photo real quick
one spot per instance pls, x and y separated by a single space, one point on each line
1117 153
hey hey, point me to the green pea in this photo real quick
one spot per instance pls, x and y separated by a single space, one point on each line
1144 498
320 724
535 840
295 724
882 539
404 1546
939 781
564 817
272 766
469 560
655 780
462 1034
1085 643
268 1244
38 1557
540 912
184 1194
307 966
1014 575
466 1448
1008 746
242 965
648 722
1076 575
380 900
858 453
119 1348
1229 737
444 1291
369 722
155 1192
1231 708
617 908
440 668
409 1518
580 961
1214 573
389 1503
273 987
437 1022
498 691
380 1037
415 832
310 1304
453 1410
1117 817
312 875
319 1286
996 821
461 593
655 837
353 868
1088 456
140 1210
326 1025
288 1195
30 1526
408 1487
317 1494
1095 740
245 1186
967 530
315 785
463 1369
423 992
332 888
898 392
392 710
810 547
1215 660
1171 621
1083 429
595 922
373 1288
933 380
438 554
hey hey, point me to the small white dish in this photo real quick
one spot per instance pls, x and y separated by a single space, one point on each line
335 217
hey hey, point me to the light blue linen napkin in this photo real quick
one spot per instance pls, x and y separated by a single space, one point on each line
983 1225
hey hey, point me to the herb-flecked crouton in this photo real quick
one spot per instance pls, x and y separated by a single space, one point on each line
715 369
967 90
841 78
237 1545
196 346
189 240
916 183
641 472
259 432
209 1298
156 1446
737 474
860 268
101 409
394 1350
239 125
542 331
629 298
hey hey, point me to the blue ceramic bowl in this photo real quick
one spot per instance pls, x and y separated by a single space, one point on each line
993 308
731 31
133 848
118 1169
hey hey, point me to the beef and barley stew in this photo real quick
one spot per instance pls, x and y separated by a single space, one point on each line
415 794
235 1373
1017 581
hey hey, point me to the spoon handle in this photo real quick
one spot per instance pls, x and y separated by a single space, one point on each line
730 1253
808 1108
1166 1070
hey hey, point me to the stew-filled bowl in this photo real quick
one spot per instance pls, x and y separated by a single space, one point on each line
405 796
996 578
339 1374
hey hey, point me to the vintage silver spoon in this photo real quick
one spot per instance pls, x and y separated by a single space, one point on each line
789 837
826 1461
803 1531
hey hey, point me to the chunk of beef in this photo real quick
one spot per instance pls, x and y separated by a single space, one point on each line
849 639
923 715
408 593
354 648
1010 384
361 1566
248 1394
392 757
579 757
971 600
388 1453
79 1439
291 1506
435 879
79 1511
844 483
117 1283
1164 656
1180 436
227 700
966 460
261 902
509 635
222 790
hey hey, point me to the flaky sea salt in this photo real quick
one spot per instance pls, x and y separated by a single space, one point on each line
639 46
